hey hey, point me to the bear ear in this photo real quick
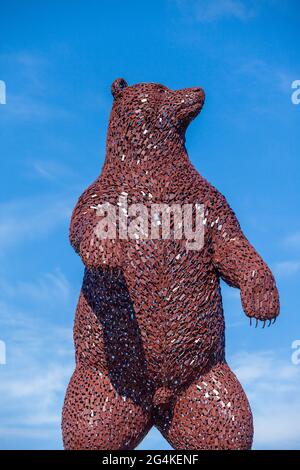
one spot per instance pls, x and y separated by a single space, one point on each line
118 86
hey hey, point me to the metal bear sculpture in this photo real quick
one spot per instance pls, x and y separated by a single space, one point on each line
149 327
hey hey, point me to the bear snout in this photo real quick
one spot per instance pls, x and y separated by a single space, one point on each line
192 96
199 92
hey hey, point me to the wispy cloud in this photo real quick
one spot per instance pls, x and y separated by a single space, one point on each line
32 390
39 360
206 11
31 68
292 240
50 170
27 92
27 219
29 107
35 396
49 287
261 71
287 268
272 385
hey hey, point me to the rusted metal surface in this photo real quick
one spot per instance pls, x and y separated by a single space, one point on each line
149 326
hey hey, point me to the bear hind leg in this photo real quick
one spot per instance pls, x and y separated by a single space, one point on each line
96 417
211 413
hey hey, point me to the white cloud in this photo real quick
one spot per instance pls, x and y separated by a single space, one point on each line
28 219
287 268
292 240
30 68
36 393
34 379
25 106
39 357
272 75
50 170
27 433
30 76
49 287
272 386
214 10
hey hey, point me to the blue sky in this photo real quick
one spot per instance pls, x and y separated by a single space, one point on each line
58 62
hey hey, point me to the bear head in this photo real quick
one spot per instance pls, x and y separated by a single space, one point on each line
151 106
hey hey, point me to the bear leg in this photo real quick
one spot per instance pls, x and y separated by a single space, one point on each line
96 417
211 413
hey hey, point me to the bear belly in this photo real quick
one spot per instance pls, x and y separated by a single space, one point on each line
179 341
162 328
178 308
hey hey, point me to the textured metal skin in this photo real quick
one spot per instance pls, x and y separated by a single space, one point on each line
149 326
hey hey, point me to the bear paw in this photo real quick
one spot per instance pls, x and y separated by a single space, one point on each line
259 296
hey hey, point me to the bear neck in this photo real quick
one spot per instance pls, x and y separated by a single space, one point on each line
152 152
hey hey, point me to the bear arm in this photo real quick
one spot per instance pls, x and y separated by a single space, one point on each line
240 265
82 216
94 252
